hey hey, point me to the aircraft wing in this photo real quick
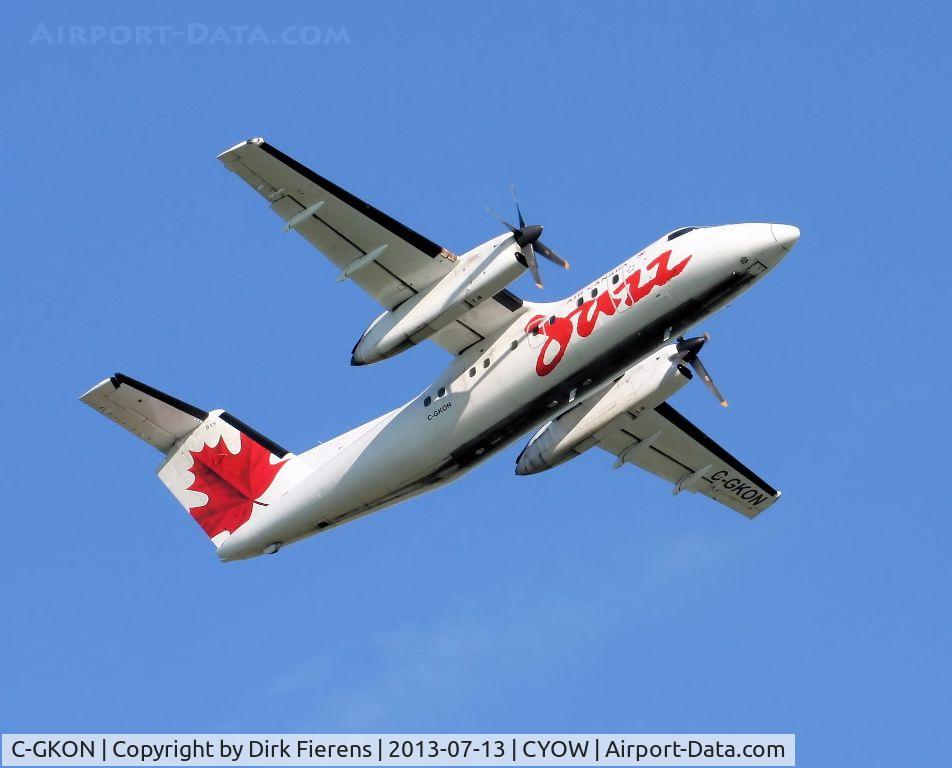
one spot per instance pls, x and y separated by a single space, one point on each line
666 444
347 230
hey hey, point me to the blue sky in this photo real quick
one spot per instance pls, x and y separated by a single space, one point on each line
578 600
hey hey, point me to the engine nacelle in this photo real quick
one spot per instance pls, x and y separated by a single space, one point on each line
478 275
645 385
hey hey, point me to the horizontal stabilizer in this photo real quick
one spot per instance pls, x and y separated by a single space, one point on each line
159 419
220 469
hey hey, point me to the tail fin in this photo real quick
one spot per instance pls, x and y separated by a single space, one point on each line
220 469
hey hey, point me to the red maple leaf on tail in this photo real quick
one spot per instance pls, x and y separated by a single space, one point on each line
231 481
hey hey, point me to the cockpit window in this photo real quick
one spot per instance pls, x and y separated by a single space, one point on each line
679 232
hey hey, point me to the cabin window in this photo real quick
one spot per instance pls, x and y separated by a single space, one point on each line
581 300
535 330
594 292
472 372
514 344
552 320
486 363
426 401
441 391
615 279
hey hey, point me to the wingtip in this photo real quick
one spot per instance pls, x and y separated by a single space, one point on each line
256 140
86 395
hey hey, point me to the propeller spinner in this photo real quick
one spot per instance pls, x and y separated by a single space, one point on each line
527 238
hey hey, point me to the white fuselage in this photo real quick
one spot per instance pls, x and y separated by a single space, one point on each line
551 357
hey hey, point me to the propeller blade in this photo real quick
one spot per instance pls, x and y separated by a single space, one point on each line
528 253
698 366
499 218
551 255
522 221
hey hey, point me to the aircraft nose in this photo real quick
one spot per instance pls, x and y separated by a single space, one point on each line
786 235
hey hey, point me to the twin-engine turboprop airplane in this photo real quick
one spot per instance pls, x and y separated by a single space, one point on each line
595 369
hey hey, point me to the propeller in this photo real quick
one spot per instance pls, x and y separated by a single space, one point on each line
527 238
688 350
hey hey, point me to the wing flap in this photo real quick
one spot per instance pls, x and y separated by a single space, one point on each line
484 321
666 444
